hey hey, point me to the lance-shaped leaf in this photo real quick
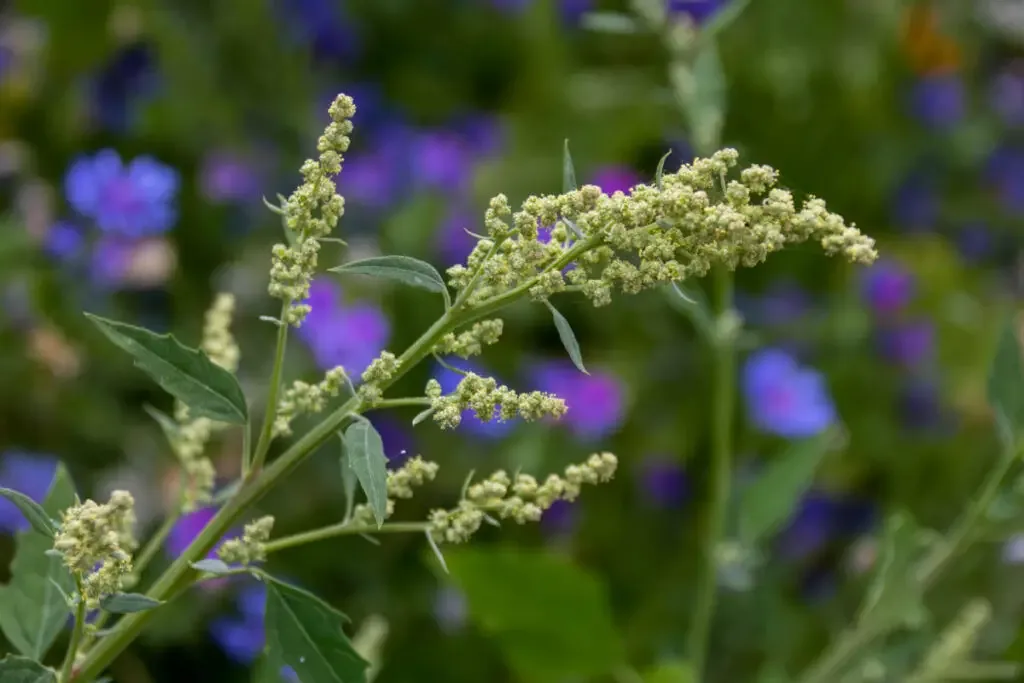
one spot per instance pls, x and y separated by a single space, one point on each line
305 633
33 511
186 373
896 595
568 338
349 481
128 603
24 670
212 565
403 269
661 169
1006 382
170 428
700 89
33 609
568 170
364 451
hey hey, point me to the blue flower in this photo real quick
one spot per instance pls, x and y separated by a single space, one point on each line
27 473
938 101
471 424
1005 172
323 25
915 206
783 303
821 518
975 242
560 520
698 10
121 84
886 287
907 343
241 635
596 402
1006 97
662 481
784 398
133 200
337 333
65 241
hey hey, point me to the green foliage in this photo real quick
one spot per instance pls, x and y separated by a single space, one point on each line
23 670
550 617
674 672
127 603
661 169
187 374
568 338
364 455
896 595
34 513
307 634
568 169
1006 381
403 269
33 607
168 426
701 91
212 566
349 481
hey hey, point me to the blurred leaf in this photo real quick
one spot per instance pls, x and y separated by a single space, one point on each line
348 478
771 498
610 22
550 617
700 90
568 337
364 452
23 670
1006 380
186 373
661 169
128 603
33 511
675 672
212 566
170 428
307 634
268 670
568 170
722 19
896 597
33 610
404 269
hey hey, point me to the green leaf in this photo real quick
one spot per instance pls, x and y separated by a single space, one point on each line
661 169
307 634
404 269
348 479
771 498
33 610
568 170
187 374
701 93
33 511
896 597
568 338
127 603
550 617
364 451
15 669
610 22
268 670
170 428
212 566
671 672
1006 381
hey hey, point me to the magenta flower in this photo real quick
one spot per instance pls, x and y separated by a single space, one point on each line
612 179
886 287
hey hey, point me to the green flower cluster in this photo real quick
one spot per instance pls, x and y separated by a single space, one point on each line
302 397
472 341
251 547
485 397
415 472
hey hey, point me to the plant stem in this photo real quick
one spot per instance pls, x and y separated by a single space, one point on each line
344 529
67 671
267 428
401 402
720 476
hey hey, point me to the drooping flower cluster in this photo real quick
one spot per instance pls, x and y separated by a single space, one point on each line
307 398
96 541
489 400
472 341
251 547
679 228
311 213
415 472
521 498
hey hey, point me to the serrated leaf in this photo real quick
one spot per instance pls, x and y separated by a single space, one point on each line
33 610
186 373
671 672
128 603
550 617
33 511
364 451
568 170
15 669
212 566
168 426
348 479
1006 381
896 596
568 338
661 169
770 499
305 633
403 269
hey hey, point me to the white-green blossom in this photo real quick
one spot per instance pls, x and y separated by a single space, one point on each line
472 341
382 369
252 546
485 397
413 473
307 398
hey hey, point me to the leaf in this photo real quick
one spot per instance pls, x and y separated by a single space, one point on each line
187 374
1006 381
128 603
169 427
701 93
364 451
421 416
212 566
568 170
403 269
568 338
33 610
307 634
549 617
769 500
661 169
609 22
269 670
895 596
33 512
15 669
671 672
348 479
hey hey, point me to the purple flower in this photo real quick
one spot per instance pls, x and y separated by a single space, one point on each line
820 518
784 398
663 482
323 25
341 334
65 241
441 160
122 84
471 424
698 10
938 101
919 405
186 529
397 438
572 11
27 473
131 200
596 403
454 244
886 287
915 205
1005 172
450 609
111 261
372 178
242 635
907 343
614 179
1006 97
227 177
975 242
560 520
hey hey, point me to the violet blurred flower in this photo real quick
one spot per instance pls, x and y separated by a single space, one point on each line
915 206
122 84
471 424
441 160
596 402
663 482
454 244
27 473
614 179
227 177
938 101
783 303
698 10
64 241
323 26
450 609
907 343
242 635
186 529
919 404
132 200
1005 172
337 333
1006 97
784 398
111 261
975 242
397 438
886 287
560 520
821 518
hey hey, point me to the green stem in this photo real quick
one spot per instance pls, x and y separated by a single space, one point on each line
344 529
720 477
67 671
401 402
267 428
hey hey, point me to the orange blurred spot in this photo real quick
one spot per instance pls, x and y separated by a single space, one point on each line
928 51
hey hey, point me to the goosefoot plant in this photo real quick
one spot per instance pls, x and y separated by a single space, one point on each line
83 554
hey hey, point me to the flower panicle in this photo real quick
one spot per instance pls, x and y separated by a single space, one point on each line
489 400
251 547
472 341
401 483
302 398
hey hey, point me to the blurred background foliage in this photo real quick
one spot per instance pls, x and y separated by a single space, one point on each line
906 116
